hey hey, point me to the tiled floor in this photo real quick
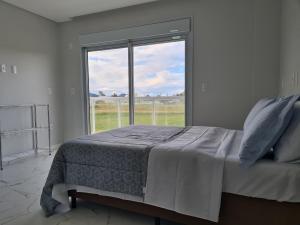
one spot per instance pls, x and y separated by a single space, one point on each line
20 187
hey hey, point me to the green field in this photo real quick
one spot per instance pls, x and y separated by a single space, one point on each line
107 117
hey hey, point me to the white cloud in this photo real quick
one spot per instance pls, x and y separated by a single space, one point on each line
158 69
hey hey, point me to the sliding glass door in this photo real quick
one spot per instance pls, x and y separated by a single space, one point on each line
108 89
141 83
159 84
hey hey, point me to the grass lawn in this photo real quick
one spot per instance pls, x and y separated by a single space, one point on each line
165 115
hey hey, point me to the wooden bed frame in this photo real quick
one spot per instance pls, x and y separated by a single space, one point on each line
235 210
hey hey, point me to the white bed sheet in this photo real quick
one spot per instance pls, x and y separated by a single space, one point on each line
266 179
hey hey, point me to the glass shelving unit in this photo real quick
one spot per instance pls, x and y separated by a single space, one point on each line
33 129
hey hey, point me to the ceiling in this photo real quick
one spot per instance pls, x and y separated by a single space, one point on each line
64 10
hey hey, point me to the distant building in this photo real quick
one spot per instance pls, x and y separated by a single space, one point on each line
101 93
180 94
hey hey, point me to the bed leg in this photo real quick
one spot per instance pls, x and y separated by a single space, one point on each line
157 221
71 194
73 202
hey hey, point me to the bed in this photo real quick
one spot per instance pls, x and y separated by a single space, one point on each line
188 175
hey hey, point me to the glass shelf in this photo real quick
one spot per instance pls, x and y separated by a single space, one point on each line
34 129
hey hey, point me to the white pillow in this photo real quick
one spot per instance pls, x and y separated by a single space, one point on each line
288 147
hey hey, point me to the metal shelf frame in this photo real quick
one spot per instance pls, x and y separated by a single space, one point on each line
33 129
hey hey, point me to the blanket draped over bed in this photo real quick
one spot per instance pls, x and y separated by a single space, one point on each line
181 168
114 161
186 174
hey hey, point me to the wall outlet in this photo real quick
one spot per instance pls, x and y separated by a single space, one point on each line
3 68
72 91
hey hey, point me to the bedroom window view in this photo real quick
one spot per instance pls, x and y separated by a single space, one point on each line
158 87
108 89
159 84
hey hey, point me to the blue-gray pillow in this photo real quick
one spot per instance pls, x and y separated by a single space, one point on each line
287 149
260 105
265 130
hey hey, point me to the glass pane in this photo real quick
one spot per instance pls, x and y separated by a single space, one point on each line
108 89
159 82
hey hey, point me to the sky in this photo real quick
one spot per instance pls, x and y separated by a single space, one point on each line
158 70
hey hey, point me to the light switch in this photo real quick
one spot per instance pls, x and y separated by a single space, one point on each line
3 68
14 69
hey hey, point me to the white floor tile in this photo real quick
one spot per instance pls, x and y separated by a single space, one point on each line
20 188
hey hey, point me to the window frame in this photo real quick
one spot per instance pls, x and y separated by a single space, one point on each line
130 44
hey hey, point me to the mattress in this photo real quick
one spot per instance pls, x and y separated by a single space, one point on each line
267 179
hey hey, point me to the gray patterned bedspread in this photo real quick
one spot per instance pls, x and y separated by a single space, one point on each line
114 161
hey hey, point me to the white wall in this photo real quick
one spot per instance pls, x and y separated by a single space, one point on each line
236 52
31 43
290 47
